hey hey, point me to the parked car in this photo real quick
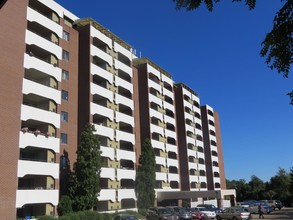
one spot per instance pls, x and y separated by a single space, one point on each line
175 209
265 208
125 217
276 204
161 213
210 214
210 207
234 213
196 214
185 214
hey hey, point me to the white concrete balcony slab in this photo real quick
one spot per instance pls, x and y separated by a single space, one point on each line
31 62
216 169
108 173
26 167
168 93
41 90
96 70
201 167
126 194
101 110
188 116
172 162
171 148
40 141
154 71
187 104
170 133
37 196
123 67
34 16
125 174
95 89
193 178
107 194
161 176
104 131
28 112
108 152
155 99
121 117
124 84
190 140
161 161
121 135
158 144
34 39
191 152
167 105
101 54
157 129
123 100
123 50
173 177
202 179
170 120
96 33
167 80
156 114
154 85
126 155
192 165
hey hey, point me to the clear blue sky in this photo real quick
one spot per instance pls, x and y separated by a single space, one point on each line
217 55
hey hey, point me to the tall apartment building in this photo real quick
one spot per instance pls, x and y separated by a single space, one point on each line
158 120
190 139
213 148
107 101
38 103
58 73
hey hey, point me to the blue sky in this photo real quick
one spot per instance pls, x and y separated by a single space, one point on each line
217 55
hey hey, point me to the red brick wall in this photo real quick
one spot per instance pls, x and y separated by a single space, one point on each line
12 44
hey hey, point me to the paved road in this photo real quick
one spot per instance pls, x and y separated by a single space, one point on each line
285 213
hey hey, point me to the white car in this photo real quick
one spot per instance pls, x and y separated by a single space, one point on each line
210 214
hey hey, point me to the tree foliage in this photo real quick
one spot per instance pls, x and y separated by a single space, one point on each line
279 187
86 171
278 44
146 177
64 206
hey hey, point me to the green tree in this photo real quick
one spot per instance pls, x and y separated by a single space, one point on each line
277 45
86 171
146 177
242 189
64 206
280 183
257 188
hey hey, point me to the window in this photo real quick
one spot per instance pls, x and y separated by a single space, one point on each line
65 55
65 75
66 35
64 116
63 138
64 95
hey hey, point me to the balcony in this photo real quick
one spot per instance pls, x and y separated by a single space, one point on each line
107 152
97 34
122 50
104 131
125 101
107 194
96 70
121 117
108 173
154 71
126 194
37 168
28 112
98 109
34 39
37 196
101 54
123 83
34 16
123 67
126 155
41 141
121 135
41 90
125 174
31 62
